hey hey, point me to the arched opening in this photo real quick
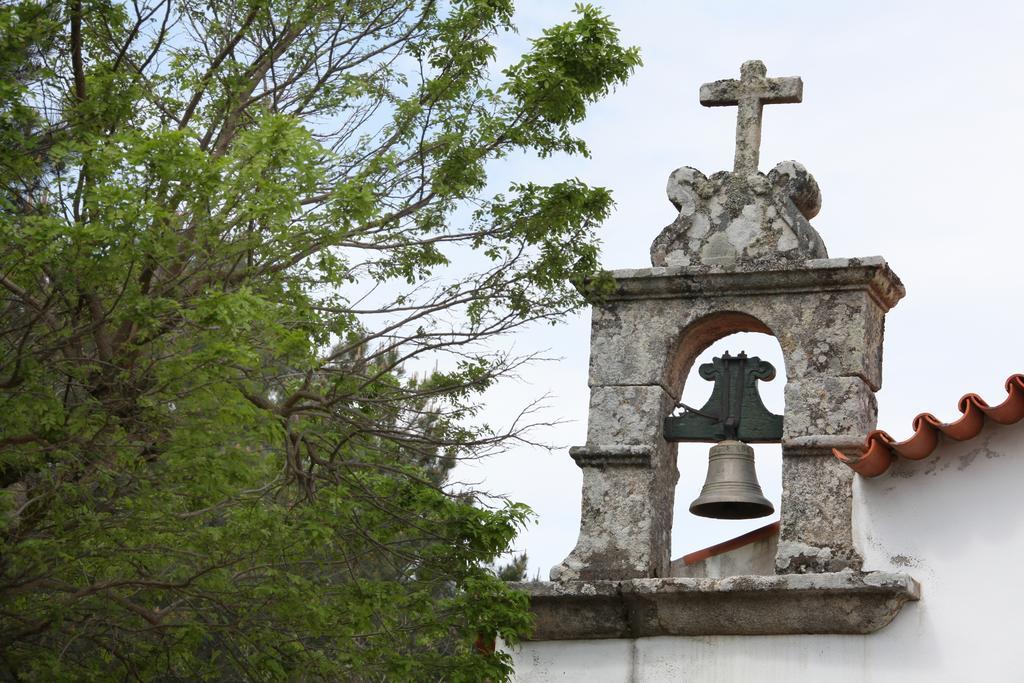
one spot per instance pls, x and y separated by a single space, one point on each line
689 532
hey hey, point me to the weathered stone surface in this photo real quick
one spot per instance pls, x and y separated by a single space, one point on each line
827 315
845 602
816 533
608 455
834 334
625 520
630 344
629 478
829 405
731 218
622 415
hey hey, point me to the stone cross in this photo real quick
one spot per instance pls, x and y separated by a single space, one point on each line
750 94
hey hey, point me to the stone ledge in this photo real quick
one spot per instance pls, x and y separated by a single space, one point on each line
614 455
870 273
821 445
839 603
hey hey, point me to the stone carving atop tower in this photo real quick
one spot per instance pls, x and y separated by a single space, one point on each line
743 216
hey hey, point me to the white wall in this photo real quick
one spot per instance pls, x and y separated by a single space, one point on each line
954 521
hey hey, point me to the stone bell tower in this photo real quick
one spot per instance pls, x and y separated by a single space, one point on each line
742 256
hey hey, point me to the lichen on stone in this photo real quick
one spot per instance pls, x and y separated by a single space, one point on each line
735 218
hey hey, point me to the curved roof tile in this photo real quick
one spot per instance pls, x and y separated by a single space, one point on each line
880 449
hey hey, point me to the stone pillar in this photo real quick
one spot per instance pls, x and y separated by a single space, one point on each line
629 478
833 348
626 521
817 490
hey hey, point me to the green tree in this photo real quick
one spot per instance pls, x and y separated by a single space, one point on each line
228 228
514 570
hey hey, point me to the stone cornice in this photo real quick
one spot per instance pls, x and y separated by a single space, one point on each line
820 445
840 603
612 455
870 273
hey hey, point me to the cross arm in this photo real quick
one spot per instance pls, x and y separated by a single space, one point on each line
724 93
789 90
727 92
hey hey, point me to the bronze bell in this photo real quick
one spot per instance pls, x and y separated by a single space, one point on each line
731 490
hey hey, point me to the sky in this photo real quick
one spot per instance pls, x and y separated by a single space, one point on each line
911 123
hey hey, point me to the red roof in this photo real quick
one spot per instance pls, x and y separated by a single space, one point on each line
880 449
732 544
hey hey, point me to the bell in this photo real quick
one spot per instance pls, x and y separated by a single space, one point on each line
731 490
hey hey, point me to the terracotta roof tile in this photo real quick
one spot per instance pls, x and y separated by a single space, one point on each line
880 449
